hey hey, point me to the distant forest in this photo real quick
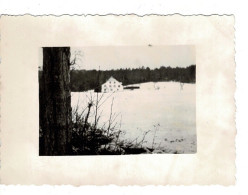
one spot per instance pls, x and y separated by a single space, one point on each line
83 80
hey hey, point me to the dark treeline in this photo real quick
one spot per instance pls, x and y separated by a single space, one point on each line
82 80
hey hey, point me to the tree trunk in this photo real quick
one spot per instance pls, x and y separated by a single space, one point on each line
55 102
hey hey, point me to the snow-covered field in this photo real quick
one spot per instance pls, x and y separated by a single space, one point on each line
164 108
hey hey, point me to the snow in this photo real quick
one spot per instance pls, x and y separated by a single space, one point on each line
164 108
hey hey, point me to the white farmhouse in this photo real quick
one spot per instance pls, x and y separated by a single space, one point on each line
111 85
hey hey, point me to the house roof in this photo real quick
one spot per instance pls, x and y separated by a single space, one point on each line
112 79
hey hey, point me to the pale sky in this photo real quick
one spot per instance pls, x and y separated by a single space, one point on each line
116 57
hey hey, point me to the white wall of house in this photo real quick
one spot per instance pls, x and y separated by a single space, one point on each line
112 85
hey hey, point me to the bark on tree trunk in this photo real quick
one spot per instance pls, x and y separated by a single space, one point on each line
55 102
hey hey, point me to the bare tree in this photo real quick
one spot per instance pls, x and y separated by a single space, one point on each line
55 102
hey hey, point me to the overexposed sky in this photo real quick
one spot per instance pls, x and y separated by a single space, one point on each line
115 57
110 57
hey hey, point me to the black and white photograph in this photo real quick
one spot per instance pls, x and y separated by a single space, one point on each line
117 100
